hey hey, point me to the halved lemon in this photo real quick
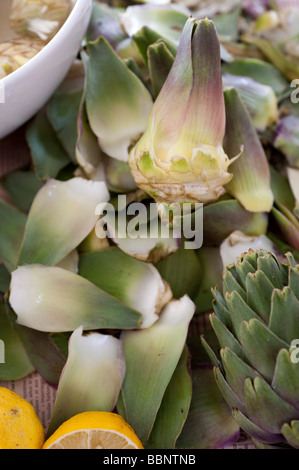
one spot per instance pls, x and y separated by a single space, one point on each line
94 430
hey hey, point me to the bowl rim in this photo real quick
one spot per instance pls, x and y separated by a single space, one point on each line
75 12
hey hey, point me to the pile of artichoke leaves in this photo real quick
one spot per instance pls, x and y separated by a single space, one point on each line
168 104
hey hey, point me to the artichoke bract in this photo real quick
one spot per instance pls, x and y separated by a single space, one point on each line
256 321
180 157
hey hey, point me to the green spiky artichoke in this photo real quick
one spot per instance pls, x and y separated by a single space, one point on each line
256 321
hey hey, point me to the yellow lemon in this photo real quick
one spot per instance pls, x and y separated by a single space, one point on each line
20 427
94 430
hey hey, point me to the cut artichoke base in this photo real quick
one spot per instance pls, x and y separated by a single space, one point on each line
200 192
205 189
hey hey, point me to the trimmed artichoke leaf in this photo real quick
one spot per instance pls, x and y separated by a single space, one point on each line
87 150
236 372
105 21
186 263
118 175
139 285
255 431
230 397
285 380
283 248
92 244
13 224
48 154
287 67
294 281
53 299
222 218
291 433
4 279
239 311
241 271
227 24
221 309
148 375
224 336
63 107
288 229
167 21
262 446
254 335
260 100
284 316
238 243
230 284
61 341
259 70
261 400
117 102
210 352
14 361
62 112
160 61
44 355
129 52
252 258
291 215
70 262
214 9
146 37
293 178
272 269
196 339
281 189
22 186
259 293
133 65
174 408
210 424
91 378
136 236
292 263
251 183
287 138
211 268
61 216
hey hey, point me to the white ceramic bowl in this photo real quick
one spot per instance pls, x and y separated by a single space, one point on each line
27 89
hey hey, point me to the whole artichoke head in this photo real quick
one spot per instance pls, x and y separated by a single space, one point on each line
256 321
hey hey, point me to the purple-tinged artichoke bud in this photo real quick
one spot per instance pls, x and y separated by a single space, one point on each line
180 157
